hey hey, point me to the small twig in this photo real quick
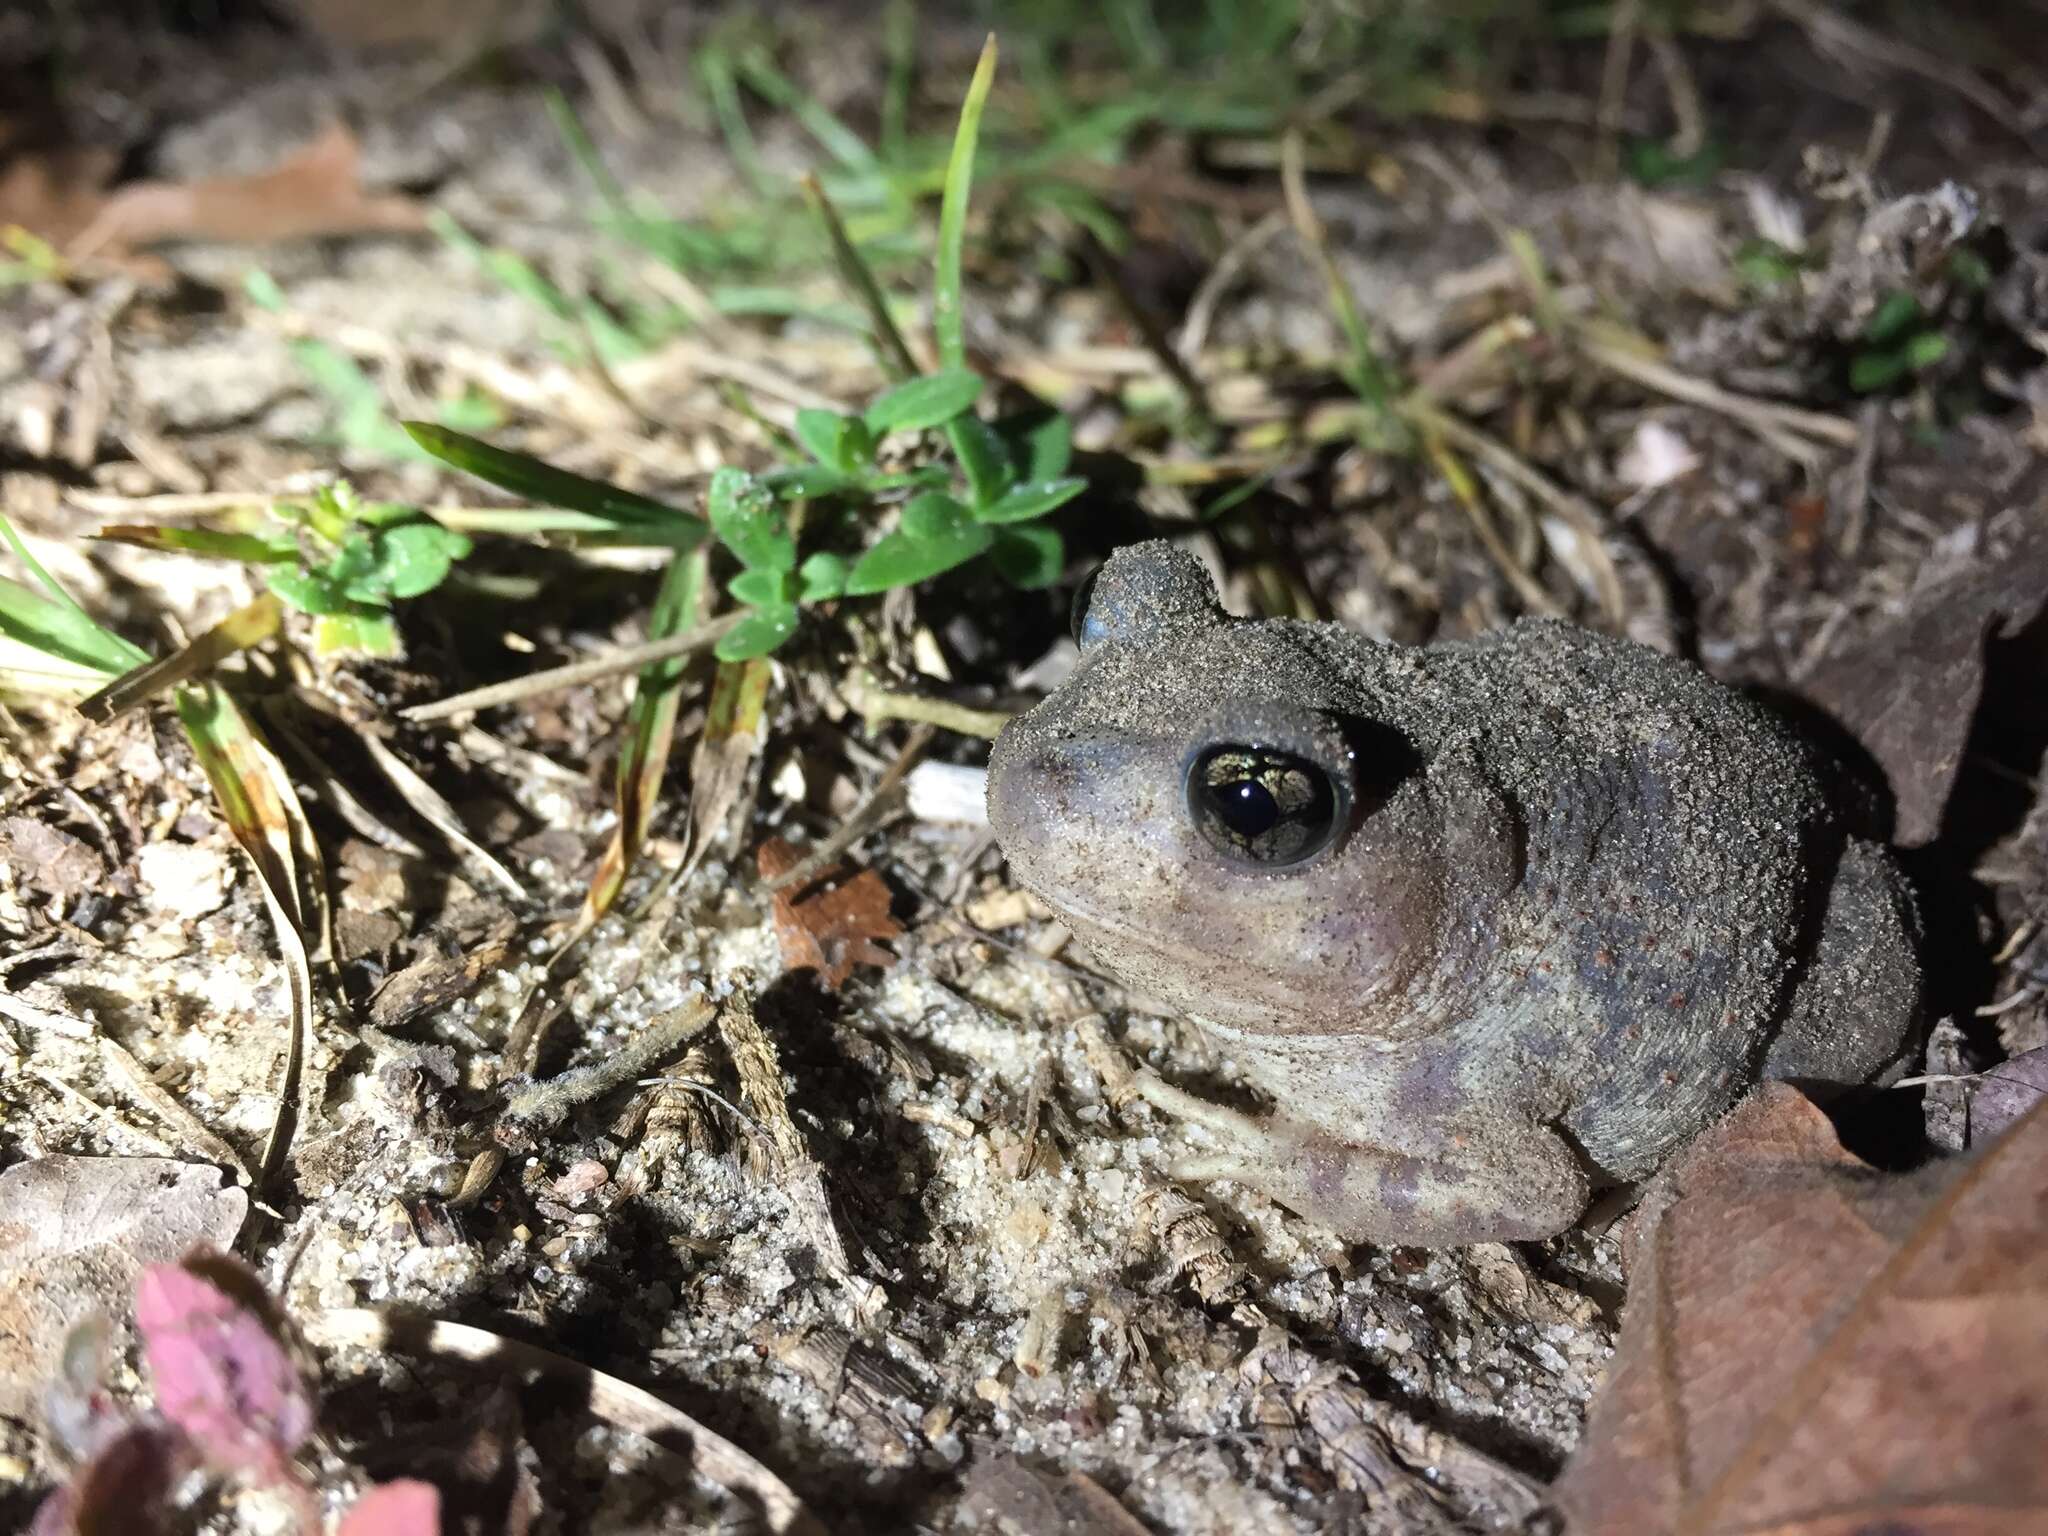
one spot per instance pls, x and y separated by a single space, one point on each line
199 1137
855 824
627 659
540 1105
1682 89
1767 420
876 704
12 1007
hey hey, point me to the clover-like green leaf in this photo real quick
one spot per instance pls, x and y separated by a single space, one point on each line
928 401
839 442
1030 556
936 534
984 457
763 630
1041 443
1025 502
760 588
749 521
418 556
800 482
821 578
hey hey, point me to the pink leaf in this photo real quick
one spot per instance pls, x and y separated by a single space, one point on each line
407 1507
216 1349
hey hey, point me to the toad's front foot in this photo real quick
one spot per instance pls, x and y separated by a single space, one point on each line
1502 1184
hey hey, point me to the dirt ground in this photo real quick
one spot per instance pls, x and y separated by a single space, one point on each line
972 1298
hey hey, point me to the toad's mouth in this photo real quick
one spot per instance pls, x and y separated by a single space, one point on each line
1104 933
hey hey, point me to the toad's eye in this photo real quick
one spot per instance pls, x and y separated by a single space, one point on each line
1262 806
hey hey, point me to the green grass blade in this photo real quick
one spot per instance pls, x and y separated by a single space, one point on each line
899 44
816 119
524 475
946 319
56 624
650 729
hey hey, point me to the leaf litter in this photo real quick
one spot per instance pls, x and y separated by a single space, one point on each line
1813 1347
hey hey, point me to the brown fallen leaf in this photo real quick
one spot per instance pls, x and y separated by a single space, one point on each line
50 859
2005 1094
1908 690
1812 1348
435 981
834 923
62 198
75 1232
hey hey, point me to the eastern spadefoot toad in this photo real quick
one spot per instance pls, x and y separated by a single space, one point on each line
1493 924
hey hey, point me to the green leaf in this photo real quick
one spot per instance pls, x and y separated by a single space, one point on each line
821 578
417 556
802 482
823 434
1029 557
523 475
251 548
937 534
953 213
1041 443
749 521
934 515
924 402
314 592
1894 316
761 631
760 588
1870 372
1028 501
984 457
1925 350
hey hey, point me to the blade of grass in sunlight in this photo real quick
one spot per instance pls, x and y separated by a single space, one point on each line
650 731
891 351
818 120
249 547
250 624
54 623
263 812
946 319
653 522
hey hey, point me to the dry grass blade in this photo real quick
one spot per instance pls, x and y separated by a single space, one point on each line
200 1139
616 1402
657 694
1465 490
1772 422
626 659
263 813
435 810
251 624
726 751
